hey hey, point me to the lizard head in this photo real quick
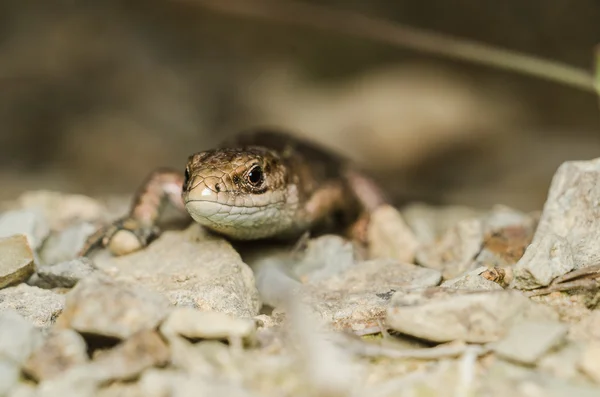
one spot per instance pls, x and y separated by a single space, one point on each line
242 193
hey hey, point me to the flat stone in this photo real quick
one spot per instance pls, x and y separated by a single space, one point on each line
472 281
9 376
323 257
544 260
455 252
16 260
63 245
527 342
572 210
191 268
61 350
590 361
18 337
390 237
66 274
194 324
358 298
104 307
587 329
30 223
443 314
40 306
562 362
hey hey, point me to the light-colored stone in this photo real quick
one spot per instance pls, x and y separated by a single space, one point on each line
590 361
30 223
562 362
587 329
61 350
455 252
472 281
528 341
194 324
9 375
572 210
66 274
191 268
324 256
444 315
18 337
101 306
543 261
63 245
390 237
39 306
16 260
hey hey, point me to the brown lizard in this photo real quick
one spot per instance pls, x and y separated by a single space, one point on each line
261 184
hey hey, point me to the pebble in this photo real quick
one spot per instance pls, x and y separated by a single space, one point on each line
18 337
389 236
61 350
444 315
191 268
30 223
323 257
472 281
526 342
195 324
9 375
590 361
66 274
40 306
16 260
63 245
104 307
544 260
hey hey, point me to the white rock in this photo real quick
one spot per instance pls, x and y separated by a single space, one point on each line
16 260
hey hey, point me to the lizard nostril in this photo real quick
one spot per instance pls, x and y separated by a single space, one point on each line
217 187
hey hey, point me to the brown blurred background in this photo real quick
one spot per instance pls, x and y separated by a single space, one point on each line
96 94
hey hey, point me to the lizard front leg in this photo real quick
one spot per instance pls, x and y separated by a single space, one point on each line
139 227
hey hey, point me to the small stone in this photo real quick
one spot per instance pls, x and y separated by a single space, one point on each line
590 361
572 210
39 306
18 337
444 315
544 260
76 382
195 324
390 237
61 350
16 260
104 307
66 274
126 361
30 223
63 245
9 375
587 329
527 342
472 281
455 252
562 362
191 268
324 256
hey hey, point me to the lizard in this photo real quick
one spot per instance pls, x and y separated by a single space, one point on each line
260 184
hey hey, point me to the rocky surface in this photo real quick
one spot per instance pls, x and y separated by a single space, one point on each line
469 301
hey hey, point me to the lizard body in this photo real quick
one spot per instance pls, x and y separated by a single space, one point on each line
259 185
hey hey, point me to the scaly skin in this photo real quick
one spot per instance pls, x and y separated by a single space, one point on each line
259 185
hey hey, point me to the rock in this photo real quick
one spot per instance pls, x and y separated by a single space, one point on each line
126 361
195 324
66 274
61 350
443 315
472 281
39 306
562 362
590 361
571 210
455 252
324 256
104 307
18 337
16 260
358 298
63 245
9 375
76 382
30 223
390 237
527 341
587 329
191 268
544 260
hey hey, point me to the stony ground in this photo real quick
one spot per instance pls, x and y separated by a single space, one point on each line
445 302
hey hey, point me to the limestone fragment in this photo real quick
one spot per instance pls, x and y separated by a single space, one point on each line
66 274
18 337
63 245
104 307
390 237
39 306
590 361
16 260
30 223
9 375
472 281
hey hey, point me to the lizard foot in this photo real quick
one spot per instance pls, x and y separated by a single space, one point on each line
124 236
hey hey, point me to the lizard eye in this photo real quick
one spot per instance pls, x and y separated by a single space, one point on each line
255 176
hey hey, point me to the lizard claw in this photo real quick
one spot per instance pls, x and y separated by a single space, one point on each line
122 237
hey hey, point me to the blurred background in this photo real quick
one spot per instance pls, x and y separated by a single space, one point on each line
95 94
